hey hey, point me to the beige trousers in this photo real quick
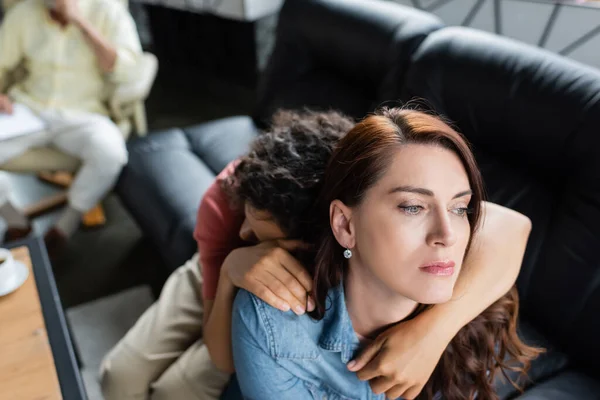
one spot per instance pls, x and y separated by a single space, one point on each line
162 356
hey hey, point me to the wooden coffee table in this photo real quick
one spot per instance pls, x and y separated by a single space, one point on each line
37 360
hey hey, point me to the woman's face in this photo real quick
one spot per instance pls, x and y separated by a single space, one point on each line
411 230
259 226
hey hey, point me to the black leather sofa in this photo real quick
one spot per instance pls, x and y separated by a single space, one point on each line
532 116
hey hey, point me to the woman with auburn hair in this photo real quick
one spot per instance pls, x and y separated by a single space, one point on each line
399 206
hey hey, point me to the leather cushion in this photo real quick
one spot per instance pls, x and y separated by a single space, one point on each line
165 179
568 385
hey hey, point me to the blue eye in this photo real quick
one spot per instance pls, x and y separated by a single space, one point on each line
411 210
462 211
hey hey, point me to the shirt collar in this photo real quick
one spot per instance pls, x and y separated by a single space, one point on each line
338 335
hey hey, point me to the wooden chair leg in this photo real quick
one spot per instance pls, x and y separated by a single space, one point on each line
45 205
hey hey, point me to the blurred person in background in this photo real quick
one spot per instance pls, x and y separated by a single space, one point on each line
70 50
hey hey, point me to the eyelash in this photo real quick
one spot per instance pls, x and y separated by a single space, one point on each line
464 211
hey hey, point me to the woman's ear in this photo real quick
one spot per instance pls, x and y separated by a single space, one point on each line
340 219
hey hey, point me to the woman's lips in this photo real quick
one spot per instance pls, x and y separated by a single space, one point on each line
442 268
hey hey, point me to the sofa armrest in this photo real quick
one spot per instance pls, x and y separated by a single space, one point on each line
169 172
161 186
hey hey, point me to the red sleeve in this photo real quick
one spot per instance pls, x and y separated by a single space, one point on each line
216 232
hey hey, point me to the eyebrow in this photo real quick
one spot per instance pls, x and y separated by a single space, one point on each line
426 192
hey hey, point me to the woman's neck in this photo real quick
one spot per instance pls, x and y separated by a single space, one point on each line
371 304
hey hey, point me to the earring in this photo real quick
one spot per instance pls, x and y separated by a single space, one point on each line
347 253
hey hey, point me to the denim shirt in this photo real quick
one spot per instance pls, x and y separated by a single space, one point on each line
279 355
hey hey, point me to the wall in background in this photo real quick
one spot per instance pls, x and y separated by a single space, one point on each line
568 28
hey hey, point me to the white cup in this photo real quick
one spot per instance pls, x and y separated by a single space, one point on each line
7 266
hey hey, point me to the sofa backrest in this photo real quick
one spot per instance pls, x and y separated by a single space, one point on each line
340 53
534 120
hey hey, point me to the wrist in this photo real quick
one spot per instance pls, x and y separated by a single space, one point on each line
229 267
225 280
224 272
440 323
78 21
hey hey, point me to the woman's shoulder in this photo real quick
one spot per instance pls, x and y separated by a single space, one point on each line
252 305
244 300
289 335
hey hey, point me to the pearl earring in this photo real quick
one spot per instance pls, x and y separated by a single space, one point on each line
347 253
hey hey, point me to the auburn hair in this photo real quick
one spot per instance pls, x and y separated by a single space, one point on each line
486 345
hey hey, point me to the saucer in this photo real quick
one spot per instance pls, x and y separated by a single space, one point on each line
16 280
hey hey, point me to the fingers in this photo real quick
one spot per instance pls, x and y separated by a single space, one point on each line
401 391
368 373
396 392
297 270
289 271
364 357
283 284
269 278
262 290
381 384
292 264
368 365
310 303
284 277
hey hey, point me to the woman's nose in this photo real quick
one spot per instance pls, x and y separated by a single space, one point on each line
443 233
246 232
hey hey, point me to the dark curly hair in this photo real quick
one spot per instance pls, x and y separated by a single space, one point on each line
283 170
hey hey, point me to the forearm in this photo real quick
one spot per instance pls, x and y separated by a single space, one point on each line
106 54
489 271
217 332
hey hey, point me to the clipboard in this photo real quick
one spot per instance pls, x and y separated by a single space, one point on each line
21 122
